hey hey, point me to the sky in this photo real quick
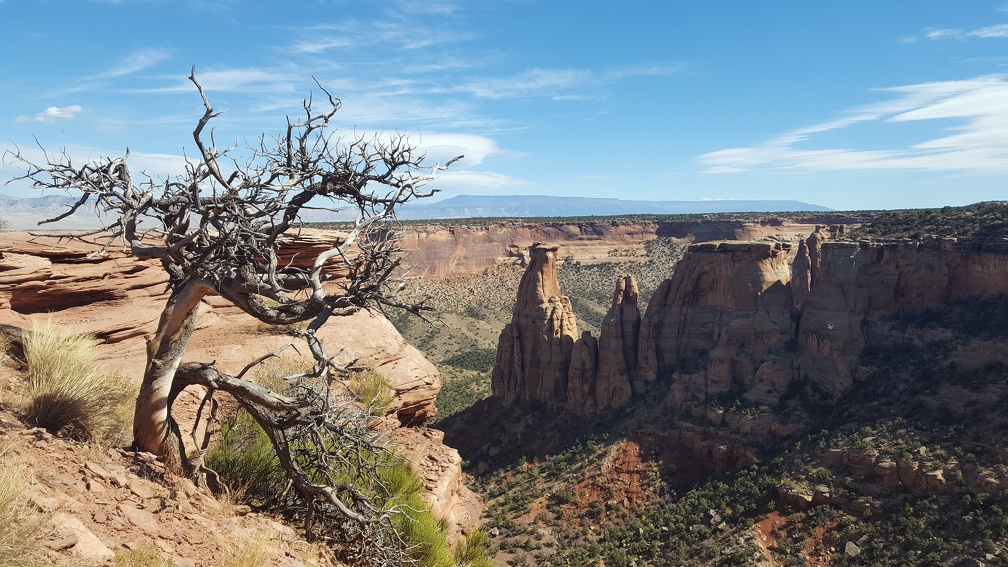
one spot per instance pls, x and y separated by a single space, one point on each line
859 104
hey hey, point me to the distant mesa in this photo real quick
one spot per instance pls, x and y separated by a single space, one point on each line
524 206
24 213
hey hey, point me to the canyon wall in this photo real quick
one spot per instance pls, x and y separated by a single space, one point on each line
444 251
752 319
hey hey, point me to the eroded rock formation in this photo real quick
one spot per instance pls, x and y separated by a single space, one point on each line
534 351
538 358
739 319
442 251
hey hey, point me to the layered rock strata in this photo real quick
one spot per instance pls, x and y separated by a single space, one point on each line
541 358
535 348
118 299
739 319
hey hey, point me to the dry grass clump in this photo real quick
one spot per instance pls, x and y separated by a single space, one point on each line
373 390
241 550
246 461
142 556
22 526
69 393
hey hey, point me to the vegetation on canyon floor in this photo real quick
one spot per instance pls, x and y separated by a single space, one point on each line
561 491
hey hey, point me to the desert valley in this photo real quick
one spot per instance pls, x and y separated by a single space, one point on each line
750 389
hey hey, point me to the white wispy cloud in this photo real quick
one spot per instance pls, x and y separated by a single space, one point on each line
53 114
476 182
443 147
979 142
135 62
995 31
245 79
426 7
385 34
658 70
532 82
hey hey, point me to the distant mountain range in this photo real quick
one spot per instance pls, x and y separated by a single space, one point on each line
468 206
24 213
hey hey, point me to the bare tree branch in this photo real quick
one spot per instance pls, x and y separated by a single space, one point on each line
222 226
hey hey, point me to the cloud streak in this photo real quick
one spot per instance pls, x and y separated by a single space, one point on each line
135 62
988 32
53 114
978 143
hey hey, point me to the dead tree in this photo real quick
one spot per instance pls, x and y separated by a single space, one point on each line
220 227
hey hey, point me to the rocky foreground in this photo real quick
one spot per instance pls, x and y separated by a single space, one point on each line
118 299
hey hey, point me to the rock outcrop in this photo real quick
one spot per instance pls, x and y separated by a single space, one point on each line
119 299
538 358
534 351
440 251
740 319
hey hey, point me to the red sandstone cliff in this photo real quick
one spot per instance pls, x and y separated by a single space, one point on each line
746 318
534 351
443 251
119 299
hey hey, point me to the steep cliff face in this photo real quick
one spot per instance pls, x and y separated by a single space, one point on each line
602 370
541 358
534 351
743 319
443 252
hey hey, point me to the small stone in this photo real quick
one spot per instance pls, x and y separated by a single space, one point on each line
139 518
851 549
234 529
140 488
494 451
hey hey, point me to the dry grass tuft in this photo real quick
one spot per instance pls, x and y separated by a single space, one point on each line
241 550
142 556
22 526
373 390
5 344
69 393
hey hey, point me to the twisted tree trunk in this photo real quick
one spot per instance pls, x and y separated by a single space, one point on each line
154 429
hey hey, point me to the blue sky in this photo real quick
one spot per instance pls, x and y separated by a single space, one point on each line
852 105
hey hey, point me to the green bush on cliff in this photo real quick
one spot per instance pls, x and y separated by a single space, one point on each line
244 459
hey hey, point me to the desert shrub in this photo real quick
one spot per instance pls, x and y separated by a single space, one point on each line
69 393
373 390
23 526
473 551
478 359
461 389
245 460
417 525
